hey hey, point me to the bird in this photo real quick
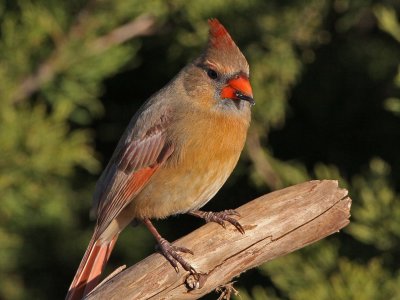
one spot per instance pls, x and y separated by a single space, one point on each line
177 151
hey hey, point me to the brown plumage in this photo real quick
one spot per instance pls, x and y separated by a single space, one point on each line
176 153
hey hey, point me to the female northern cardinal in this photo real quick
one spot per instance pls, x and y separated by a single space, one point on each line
177 152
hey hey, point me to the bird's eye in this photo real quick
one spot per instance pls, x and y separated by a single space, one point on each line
212 74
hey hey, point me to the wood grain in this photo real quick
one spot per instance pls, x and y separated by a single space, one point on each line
276 224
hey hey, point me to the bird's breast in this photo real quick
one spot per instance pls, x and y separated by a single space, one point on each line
206 152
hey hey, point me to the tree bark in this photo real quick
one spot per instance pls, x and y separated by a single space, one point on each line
276 224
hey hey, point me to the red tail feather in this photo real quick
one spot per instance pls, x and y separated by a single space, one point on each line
90 268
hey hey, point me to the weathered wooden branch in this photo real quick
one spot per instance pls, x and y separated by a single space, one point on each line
276 224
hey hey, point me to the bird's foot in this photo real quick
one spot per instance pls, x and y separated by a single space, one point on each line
220 217
170 252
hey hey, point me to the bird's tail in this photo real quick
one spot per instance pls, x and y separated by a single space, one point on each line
90 268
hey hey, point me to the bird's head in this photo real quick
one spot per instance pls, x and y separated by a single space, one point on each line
219 78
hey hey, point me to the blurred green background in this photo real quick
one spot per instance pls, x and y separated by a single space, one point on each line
326 78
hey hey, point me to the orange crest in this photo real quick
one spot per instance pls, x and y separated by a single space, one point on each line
219 36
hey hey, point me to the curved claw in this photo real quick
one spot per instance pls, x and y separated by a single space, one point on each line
220 218
170 252
232 212
235 223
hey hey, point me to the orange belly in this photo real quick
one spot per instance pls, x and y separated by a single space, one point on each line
179 190
194 173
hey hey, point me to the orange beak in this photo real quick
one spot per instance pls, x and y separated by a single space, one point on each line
238 88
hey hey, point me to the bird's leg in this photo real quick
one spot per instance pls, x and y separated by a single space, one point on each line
169 251
219 217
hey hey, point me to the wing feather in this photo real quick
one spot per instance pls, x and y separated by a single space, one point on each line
134 162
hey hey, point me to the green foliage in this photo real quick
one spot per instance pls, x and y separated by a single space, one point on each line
321 272
326 79
377 213
287 36
51 73
388 22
